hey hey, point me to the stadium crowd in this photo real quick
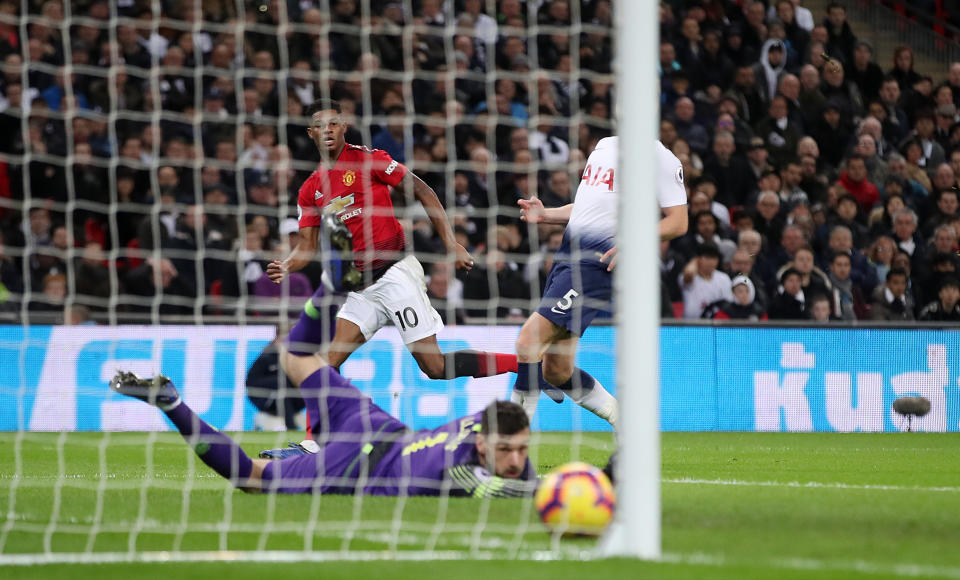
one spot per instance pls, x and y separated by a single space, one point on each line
821 186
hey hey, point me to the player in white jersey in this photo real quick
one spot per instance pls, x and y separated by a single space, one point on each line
580 284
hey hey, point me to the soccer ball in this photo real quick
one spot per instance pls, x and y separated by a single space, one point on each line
575 498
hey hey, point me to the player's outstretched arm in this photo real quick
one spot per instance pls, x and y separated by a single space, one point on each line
298 258
438 217
532 211
674 222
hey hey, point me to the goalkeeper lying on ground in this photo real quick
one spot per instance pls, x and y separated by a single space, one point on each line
362 447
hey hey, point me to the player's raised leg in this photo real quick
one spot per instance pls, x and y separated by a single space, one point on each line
461 363
217 450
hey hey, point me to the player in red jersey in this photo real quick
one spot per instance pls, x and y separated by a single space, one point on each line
351 188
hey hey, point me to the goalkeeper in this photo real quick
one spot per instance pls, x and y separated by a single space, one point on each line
363 449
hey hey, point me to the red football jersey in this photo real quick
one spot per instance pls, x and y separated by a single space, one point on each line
357 190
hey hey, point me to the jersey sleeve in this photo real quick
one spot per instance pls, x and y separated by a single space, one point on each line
308 212
670 189
387 169
477 482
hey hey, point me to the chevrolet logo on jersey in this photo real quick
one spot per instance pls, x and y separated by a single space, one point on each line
338 204
349 178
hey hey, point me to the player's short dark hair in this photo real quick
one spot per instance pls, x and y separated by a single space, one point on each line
506 417
323 105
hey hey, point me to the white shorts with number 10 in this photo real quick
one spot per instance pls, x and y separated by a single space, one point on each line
399 298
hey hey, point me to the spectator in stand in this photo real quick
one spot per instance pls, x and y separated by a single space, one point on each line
932 154
743 306
446 293
92 275
11 282
789 301
905 233
945 210
778 132
866 73
947 306
848 303
863 274
881 220
943 242
748 96
854 180
813 279
791 240
743 263
559 191
768 219
773 61
731 174
841 40
704 229
892 301
831 134
917 184
820 309
687 127
701 282
52 296
838 89
880 255
757 159
810 98
946 118
896 127
877 168
902 69
848 215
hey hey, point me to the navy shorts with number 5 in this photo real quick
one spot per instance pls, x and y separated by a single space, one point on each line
576 293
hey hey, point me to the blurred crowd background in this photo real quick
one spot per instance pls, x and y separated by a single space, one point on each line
151 152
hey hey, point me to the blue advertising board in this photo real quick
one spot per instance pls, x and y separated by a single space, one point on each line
711 378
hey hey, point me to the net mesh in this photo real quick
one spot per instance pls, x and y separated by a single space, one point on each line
150 160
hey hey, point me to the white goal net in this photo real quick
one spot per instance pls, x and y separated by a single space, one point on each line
151 155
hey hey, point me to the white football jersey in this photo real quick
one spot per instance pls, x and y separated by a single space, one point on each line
593 221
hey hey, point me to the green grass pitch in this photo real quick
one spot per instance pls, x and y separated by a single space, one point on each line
735 505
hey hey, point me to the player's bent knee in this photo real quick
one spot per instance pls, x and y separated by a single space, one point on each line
528 344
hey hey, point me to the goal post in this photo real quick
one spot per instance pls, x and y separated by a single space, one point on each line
636 528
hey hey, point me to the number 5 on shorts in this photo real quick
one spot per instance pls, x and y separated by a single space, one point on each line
565 303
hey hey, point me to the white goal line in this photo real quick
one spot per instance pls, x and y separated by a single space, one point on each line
282 556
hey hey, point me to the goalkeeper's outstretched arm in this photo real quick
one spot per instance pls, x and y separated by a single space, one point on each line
299 258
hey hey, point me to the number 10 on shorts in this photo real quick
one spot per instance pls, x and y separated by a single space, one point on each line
407 318
564 304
